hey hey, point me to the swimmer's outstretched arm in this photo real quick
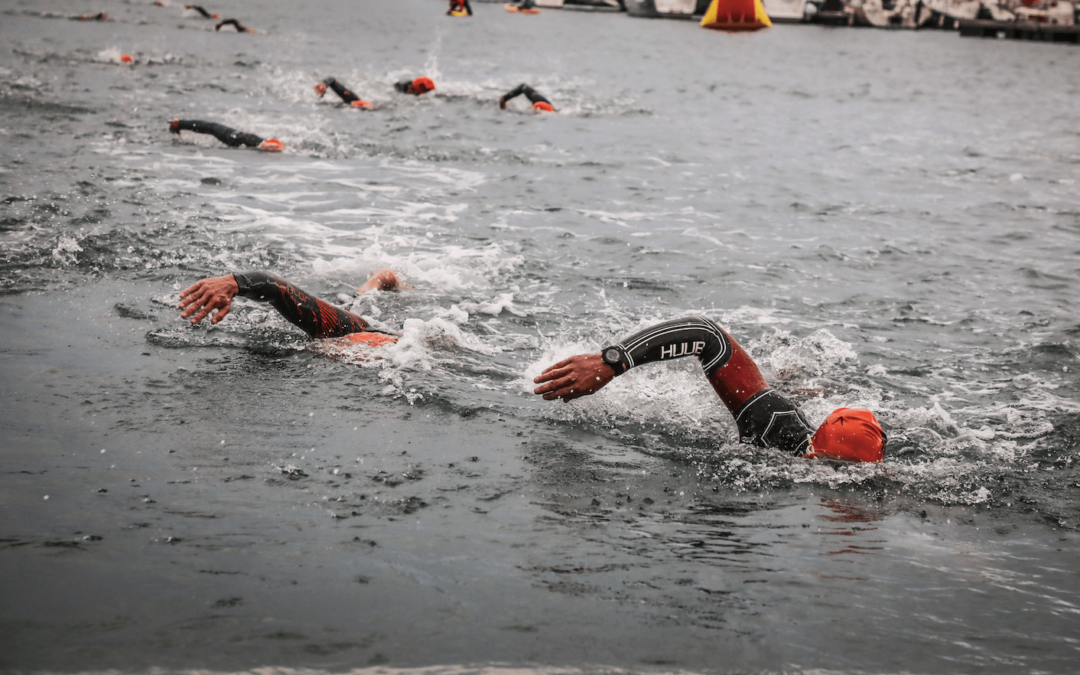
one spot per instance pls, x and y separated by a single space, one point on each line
205 14
530 93
226 135
314 316
586 374
347 96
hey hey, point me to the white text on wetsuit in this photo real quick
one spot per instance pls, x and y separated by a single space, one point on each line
672 351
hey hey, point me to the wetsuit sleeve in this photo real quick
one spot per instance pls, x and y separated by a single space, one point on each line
226 135
403 86
317 318
340 90
692 336
200 10
529 92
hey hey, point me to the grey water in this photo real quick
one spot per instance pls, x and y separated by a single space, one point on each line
885 219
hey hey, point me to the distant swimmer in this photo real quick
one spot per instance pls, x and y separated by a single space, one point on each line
459 8
240 28
764 416
314 316
100 16
420 85
539 102
205 14
524 7
227 135
339 89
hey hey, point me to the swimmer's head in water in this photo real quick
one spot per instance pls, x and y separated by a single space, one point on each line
126 58
540 106
361 104
850 435
272 145
371 339
422 85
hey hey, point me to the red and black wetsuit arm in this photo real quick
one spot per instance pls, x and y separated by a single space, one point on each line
692 336
226 135
316 317
529 92
731 372
340 90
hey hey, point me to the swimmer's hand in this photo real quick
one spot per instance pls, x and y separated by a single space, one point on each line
502 103
574 377
207 295
320 89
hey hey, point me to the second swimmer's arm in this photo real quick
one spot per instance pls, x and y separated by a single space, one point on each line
586 374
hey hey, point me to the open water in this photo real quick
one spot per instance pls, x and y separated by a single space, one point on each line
890 217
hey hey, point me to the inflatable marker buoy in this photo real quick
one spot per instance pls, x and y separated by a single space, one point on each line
736 16
514 8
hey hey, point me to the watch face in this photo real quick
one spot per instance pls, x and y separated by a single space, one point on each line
611 356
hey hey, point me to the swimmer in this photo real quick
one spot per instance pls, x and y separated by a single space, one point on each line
227 135
459 6
524 5
539 102
339 89
205 14
316 317
764 417
235 24
420 85
100 16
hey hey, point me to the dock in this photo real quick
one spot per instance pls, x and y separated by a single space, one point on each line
1019 30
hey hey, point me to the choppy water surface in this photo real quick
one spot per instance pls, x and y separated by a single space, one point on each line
890 217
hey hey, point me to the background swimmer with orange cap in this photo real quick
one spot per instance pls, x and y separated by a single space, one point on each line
539 102
314 316
227 135
420 85
764 416
458 8
202 12
350 98
240 28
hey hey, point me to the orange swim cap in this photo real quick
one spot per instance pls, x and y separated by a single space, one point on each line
272 145
371 339
851 435
422 85
540 105
125 58
361 104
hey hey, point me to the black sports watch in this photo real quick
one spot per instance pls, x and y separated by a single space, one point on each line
615 357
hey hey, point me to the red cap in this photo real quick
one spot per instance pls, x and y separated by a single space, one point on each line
422 85
125 58
361 104
371 339
850 435
540 105
272 145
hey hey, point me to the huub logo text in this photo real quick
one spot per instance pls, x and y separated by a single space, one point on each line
684 349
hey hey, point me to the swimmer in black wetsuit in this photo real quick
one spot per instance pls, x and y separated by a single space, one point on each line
538 101
350 98
459 6
420 85
764 417
236 24
314 316
100 16
205 14
227 135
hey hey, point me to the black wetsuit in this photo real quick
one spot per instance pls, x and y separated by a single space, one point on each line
767 418
529 92
460 5
231 22
316 317
340 90
403 86
226 135
200 10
